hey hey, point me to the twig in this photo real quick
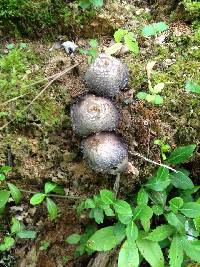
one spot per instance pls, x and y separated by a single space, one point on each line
58 75
153 162
50 195
116 184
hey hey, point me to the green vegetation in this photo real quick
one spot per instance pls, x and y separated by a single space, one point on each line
92 52
162 219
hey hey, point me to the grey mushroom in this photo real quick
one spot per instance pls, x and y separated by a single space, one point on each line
94 114
107 76
105 152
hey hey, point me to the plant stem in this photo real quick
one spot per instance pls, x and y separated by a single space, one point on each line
50 195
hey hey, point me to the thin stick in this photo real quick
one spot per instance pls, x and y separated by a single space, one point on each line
153 162
116 184
41 92
50 195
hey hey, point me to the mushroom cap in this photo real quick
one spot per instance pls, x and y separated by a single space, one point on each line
94 114
105 152
106 76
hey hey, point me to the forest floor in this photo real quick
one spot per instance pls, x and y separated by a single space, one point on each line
40 145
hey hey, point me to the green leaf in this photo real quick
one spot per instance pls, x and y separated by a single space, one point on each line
175 221
190 249
26 234
108 211
142 197
191 209
114 49
23 45
154 28
176 252
124 211
97 3
73 239
192 87
160 181
16 226
181 180
131 231
15 193
49 187
181 154
128 255
157 210
141 95
119 34
107 196
131 43
5 169
52 209
150 98
37 198
159 198
151 251
89 204
2 177
103 239
145 217
197 223
93 43
119 231
84 4
98 215
158 100
4 196
10 46
175 204
158 88
8 242
160 233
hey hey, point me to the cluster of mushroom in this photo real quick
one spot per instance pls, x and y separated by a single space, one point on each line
96 118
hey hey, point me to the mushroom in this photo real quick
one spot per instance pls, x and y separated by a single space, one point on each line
105 152
106 76
94 114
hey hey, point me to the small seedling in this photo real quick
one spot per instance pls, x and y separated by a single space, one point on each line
154 29
164 148
153 96
91 52
44 245
123 38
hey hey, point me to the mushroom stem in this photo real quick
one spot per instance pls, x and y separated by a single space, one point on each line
116 184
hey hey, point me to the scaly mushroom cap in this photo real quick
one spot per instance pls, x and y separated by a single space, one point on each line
94 114
105 152
106 76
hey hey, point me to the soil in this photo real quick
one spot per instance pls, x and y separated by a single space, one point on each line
40 151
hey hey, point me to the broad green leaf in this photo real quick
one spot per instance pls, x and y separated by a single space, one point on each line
190 250
159 198
37 198
141 95
107 196
158 100
26 234
175 221
2 177
151 251
98 215
192 87
175 204
49 187
158 88
176 252
190 228
131 231
15 193
181 180
128 255
8 242
52 209
73 239
93 43
142 197
10 46
150 98
23 45
84 4
4 196
97 3
5 169
197 223
145 217
108 211
157 210
131 43
154 28
114 49
119 231
160 181
181 154
103 239
124 211
89 204
191 209
119 34
16 226
160 233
